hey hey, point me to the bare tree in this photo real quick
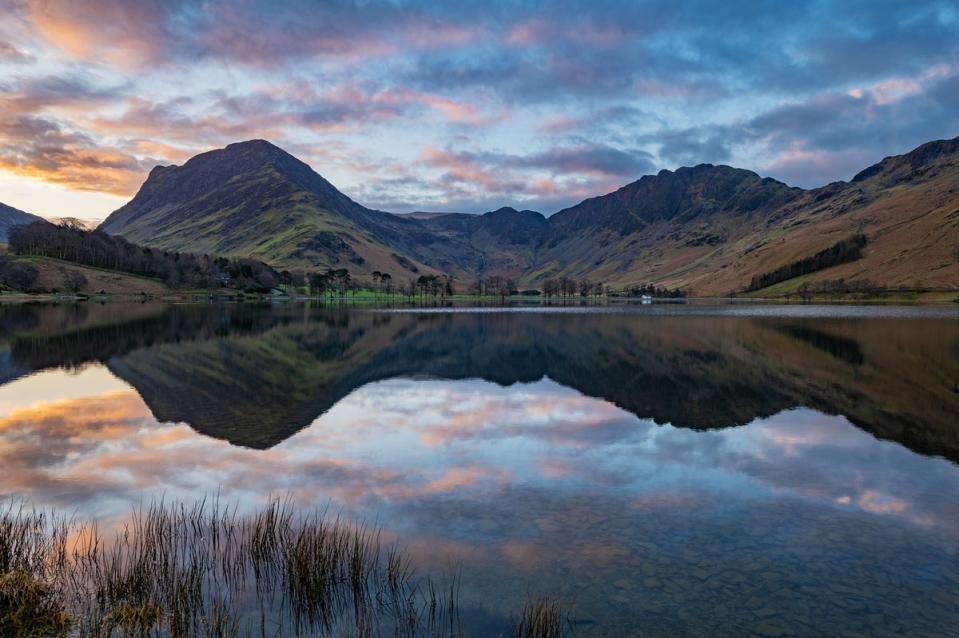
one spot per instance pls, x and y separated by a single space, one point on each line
18 276
550 288
297 279
567 287
74 280
387 280
585 287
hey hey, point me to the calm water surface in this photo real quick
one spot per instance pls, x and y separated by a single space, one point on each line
662 470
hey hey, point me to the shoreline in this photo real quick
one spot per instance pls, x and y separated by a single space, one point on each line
911 298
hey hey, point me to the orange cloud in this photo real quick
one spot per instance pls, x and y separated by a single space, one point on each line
84 169
121 33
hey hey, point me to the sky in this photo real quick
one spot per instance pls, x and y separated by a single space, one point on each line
446 106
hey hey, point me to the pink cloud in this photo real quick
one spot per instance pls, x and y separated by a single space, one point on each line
125 34
529 32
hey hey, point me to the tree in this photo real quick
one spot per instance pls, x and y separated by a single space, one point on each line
73 223
318 283
550 288
844 251
20 277
297 279
74 280
387 281
585 287
502 287
567 287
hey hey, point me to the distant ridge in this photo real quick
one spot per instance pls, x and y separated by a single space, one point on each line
10 217
709 229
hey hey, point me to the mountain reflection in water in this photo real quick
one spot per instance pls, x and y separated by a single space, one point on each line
592 456
254 376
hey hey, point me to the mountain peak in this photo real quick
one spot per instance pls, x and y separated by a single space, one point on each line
258 146
235 184
687 192
509 211
254 143
898 167
248 155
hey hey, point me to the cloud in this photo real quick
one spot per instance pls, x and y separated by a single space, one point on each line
35 142
10 53
546 180
687 147
588 158
133 35
562 174
608 121
825 136
124 34
540 104
40 148
834 135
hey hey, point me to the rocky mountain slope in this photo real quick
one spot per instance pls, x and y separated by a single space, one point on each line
10 217
709 229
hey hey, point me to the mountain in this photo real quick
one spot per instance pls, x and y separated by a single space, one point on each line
661 223
706 228
252 199
10 217
248 199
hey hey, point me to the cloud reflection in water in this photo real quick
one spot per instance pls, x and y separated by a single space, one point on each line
393 445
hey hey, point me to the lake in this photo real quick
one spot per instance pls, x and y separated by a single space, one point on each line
660 469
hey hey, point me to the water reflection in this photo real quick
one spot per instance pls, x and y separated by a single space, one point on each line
254 376
529 449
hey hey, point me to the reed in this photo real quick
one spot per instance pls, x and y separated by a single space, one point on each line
205 570
541 618
182 570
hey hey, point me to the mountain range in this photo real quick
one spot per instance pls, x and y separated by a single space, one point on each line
707 229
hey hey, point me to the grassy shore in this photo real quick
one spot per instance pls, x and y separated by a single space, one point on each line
373 298
205 570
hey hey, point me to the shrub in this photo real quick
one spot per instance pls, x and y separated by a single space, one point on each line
29 608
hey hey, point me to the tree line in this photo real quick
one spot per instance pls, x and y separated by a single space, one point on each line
846 250
568 287
649 290
836 288
96 248
179 270
495 286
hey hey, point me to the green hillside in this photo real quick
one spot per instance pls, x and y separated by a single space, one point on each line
707 229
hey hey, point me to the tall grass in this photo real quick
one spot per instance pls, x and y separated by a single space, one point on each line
205 570
541 618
